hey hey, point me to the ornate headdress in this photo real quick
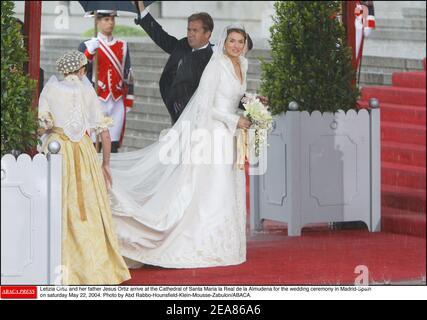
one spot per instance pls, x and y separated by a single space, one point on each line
71 61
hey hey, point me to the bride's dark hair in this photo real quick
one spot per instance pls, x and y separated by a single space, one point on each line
238 30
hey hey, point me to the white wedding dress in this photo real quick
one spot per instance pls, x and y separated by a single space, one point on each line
186 214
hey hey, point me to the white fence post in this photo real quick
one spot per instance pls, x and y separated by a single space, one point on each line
55 212
375 143
293 169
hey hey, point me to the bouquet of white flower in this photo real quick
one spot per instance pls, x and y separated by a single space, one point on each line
262 121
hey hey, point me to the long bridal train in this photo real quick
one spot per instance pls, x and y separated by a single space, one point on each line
180 215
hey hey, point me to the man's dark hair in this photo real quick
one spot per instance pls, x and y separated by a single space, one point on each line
206 19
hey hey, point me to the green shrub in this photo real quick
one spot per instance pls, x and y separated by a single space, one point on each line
311 62
120 31
18 119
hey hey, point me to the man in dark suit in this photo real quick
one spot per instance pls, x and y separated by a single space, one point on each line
188 58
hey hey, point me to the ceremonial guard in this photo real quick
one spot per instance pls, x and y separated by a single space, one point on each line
114 74
364 23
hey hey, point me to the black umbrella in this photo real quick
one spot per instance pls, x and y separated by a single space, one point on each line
128 6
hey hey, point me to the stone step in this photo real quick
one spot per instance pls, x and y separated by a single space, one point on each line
146 75
147 91
253 85
127 149
145 100
391 62
149 60
412 24
395 48
145 116
418 13
60 42
147 125
384 70
375 78
135 46
399 35
254 69
142 134
132 142
149 108
54 53
259 53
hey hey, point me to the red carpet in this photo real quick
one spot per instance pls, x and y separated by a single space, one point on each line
319 256
322 256
403 152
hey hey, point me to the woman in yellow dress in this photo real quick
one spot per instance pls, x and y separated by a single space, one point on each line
69 110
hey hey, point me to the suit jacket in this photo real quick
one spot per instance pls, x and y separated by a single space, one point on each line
183 70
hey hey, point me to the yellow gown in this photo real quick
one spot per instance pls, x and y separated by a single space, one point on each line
90 251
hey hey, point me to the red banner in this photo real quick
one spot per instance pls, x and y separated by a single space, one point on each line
18 292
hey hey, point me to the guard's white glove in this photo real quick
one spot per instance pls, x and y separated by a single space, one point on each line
92 45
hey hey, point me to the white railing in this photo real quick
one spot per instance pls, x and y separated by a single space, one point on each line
31 218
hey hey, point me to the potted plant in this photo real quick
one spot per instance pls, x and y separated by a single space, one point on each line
323 159
18 120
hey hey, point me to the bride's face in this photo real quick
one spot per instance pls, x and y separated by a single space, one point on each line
234 44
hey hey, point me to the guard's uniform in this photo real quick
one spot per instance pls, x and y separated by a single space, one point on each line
364 23
115 83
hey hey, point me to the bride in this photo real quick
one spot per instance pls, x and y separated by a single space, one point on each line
180 202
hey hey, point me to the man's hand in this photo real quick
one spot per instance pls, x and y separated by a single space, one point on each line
244 123
107 176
